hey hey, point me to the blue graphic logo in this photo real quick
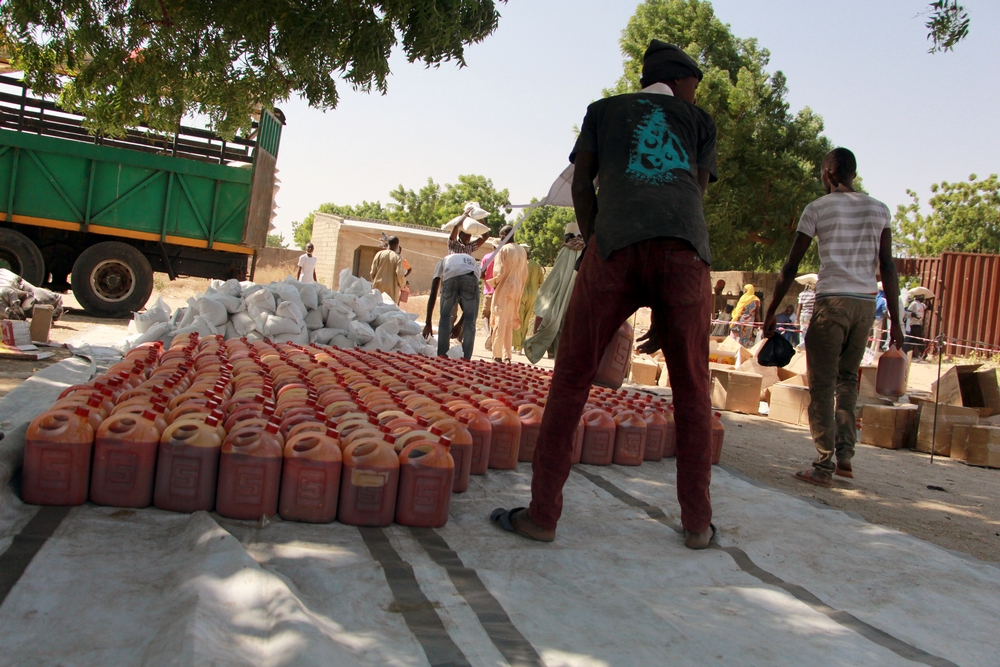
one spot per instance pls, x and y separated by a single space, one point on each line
656 151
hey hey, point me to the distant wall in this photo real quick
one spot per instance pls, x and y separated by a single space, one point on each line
351 244
277 256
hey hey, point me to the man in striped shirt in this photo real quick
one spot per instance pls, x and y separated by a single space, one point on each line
854 234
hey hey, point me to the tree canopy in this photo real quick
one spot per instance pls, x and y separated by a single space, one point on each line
768 158
964 217
153 61
275 241
430 206
947 25
544 231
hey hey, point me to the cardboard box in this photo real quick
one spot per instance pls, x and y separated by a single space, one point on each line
15 333
41 322
769 374
947 417
790 401
866 380
736 391
970 387
891 427
959 441
664 379
984 446
798 365
644 371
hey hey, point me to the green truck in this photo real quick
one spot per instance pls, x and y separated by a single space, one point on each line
101 214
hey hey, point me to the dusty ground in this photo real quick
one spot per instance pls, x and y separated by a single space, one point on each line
897 488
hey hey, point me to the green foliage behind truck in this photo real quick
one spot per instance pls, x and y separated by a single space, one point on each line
107 213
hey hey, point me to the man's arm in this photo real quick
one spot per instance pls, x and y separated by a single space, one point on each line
478 243
458 227
703 178
890 286
298 276
428 328
584 194
799 247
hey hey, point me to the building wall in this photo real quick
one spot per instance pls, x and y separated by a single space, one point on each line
278 256
337 240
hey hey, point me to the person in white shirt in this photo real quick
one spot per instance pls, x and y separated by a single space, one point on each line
915 326
457 275
307 266
854 234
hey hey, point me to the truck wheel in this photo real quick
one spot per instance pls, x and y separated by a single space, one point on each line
112 279
19 255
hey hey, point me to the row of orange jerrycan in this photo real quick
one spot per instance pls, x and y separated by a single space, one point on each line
248 475
126 452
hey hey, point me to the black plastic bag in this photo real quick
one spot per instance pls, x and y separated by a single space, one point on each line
776 352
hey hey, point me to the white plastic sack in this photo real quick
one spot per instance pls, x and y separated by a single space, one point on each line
339 316
291 310
262 299
307 292
475 212
346 280
301 338
231 287
389 328
342 341
242 323
364 305
233 304
277 325
213 311
287 292
410 328
153 332
158 312
314 319
360 332
397 316
324 336
230 332
455 352
189 314
360 287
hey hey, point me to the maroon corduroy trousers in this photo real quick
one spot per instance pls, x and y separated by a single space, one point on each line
669 277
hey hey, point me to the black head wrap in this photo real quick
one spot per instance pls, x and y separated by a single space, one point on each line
666 62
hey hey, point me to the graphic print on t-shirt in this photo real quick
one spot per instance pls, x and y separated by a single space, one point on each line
656 151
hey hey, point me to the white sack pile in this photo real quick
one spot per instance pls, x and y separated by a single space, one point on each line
289 312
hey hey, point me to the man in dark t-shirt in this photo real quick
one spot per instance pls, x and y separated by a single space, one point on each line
654 154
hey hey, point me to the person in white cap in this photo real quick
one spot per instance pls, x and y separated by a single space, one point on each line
553 297
536 274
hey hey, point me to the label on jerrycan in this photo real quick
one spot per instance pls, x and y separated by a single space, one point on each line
184 474
600 444
122 468
426 495
55 470
309 487
249 484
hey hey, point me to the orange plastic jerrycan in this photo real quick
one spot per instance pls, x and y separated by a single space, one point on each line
598 438
670 438
57 458
718 432
368 484
890 380
187 467
249 475
531 423
482 433
426 477
505 439
614 364
125 448
656 434
310 479
460 447
630 438
581 428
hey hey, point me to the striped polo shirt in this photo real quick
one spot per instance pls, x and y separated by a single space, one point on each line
848 228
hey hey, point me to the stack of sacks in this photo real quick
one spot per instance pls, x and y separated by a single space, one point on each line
289 312
18 298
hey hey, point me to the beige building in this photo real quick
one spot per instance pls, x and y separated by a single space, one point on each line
351 243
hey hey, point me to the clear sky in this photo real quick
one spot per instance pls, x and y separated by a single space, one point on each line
911 118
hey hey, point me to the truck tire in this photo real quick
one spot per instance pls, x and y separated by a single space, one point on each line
20 255
112 279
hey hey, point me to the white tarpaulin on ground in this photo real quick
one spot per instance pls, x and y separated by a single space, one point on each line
797 585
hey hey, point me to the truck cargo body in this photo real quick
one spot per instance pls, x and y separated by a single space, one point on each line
109 212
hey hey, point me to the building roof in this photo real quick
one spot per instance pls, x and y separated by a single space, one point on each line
391 228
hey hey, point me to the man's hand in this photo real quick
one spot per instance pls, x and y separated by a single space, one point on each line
428 330
896 335
770 324
649 342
